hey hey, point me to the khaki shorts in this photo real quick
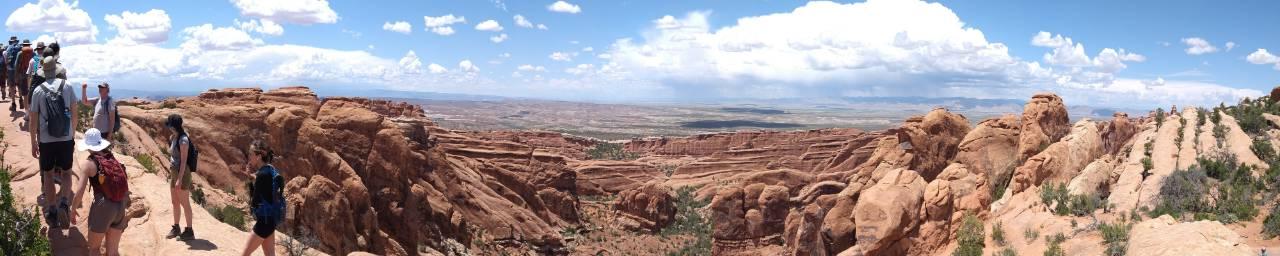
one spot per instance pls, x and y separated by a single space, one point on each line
186 181
105 214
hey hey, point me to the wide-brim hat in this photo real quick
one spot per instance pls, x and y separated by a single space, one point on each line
92 141
26 42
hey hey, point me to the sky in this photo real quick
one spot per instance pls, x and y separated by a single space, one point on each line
1099 53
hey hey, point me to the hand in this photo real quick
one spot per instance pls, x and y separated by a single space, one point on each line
74 216
35 151
84 85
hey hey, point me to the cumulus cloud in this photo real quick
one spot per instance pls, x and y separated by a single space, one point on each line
564 7
489 25
1198 46
410 63
531 68
522 22
560 56
542 27
498 38
261 26
291 11
441 25
466 66
579 69
1230 45
140 28
398 27
1070 54
209 38
1263 57
68 23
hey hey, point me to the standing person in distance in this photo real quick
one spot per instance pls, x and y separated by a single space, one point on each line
267 200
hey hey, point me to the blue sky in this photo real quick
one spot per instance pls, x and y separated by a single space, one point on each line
1103 53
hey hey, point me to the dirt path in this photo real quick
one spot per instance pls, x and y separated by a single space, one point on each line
146 234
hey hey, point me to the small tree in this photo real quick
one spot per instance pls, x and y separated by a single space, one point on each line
970 237
1159 116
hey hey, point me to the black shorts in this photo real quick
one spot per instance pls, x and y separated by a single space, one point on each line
264 228
57 155
35 81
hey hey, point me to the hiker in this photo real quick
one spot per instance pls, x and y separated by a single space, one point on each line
180 177
104 111
10 56
110 193
23 83
52 133
267 201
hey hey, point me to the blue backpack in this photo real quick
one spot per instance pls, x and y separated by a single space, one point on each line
273 209
12 53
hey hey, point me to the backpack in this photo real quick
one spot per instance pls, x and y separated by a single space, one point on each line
12 54
115 111
57 116
112 179
193 154
275 208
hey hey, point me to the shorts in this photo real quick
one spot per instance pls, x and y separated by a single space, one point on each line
186 181
35 81
57 155
105 214
264 228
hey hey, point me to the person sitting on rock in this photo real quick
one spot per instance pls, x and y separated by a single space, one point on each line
267 198
180 177
104 111
110 182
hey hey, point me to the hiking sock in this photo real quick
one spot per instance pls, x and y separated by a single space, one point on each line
174 232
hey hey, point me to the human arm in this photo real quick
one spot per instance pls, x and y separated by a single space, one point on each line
183 145
86 168
33 127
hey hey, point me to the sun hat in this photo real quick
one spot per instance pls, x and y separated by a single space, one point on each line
49 66
26 42
92 141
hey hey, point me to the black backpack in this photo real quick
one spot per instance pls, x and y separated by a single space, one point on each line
193 154
57 117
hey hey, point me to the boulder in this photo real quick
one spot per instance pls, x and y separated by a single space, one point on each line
1061 161
651 206
1166 236
1044 121
992 146
886 211
1117 132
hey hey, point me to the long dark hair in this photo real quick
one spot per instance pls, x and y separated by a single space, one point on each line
175 122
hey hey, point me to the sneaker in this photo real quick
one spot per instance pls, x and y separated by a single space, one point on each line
50 217
187 235
64 209
174 232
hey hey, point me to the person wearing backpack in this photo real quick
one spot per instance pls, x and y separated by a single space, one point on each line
104 108
110 182
267 202
22 80
52 138
10 56
182 164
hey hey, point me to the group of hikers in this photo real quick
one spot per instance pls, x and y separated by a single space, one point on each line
34 80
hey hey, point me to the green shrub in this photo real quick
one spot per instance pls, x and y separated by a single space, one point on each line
997 234
19 227
610 151
1271 225
1200 117
1159 117
1030 234
1115 237
1181 192
1214 116
1184 191
1062 203
691 222
146 162
1055 245
197 196
229 215
970 238
1147 165
1220 132
1006 252
1000 181
1262 148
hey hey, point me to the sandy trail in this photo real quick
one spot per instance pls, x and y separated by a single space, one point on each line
145 235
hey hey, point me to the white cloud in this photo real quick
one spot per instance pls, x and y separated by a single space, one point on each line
522 22
1198 46
580 69
498 38
588 49
261 26
564 7
1262 57
466 66
398 27
560 56
68 23
542 27
531 68
410 63
489 25
441 25
208 38
291 11
505 55
604 56
437 69
1230 45
140 28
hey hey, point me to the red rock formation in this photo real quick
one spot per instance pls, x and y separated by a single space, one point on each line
991 147
376 175
1044 121
649 207
1118 132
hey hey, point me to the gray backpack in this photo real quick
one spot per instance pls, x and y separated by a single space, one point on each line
57 118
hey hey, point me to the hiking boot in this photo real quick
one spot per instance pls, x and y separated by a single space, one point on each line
50 216
13 107
187 235
174 232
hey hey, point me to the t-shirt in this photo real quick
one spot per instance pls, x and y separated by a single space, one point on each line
37 106
175 152
34 66
102 114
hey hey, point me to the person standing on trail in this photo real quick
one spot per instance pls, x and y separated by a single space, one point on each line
52 138
110 184
180 186
22 80
104 108
267 201
4 68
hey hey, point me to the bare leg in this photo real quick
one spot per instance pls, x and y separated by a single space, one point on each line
269 245
184 199
254 242
113 241
95 242
177 209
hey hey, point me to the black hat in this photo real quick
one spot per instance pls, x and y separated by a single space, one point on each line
26 42
13 39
